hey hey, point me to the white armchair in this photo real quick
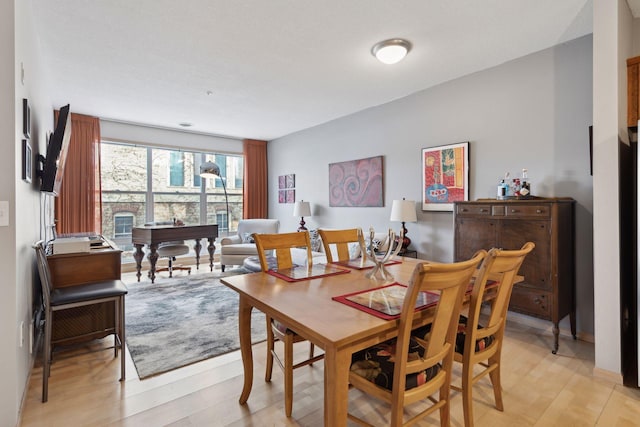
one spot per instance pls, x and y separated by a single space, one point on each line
234 249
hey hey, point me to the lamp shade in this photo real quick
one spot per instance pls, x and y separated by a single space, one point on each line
403 211
209 170
302 208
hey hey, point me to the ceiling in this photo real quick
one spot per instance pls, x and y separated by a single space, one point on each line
264 69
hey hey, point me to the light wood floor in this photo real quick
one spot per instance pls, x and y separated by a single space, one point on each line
540 389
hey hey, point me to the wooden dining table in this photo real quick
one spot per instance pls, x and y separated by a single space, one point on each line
307 308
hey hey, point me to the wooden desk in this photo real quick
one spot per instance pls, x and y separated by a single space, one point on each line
84 323
153 235
307 308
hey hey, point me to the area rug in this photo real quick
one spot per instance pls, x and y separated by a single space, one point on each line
182 320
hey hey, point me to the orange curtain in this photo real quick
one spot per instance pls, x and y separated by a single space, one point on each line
255 197
78 207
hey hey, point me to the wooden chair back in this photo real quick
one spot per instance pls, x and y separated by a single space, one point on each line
340 239
450 281
483 344
45 274
281 244
502 267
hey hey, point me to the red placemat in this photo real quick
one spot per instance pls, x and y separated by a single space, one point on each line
385 302
299 273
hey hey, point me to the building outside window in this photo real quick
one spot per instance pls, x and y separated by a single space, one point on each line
142 184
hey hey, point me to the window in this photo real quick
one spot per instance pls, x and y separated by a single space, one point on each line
144 184
122 225
176 169
221 220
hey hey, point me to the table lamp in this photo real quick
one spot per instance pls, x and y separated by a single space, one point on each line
404 211
302 209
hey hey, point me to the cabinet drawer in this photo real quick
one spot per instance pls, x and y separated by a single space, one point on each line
473 210
531 302
531 211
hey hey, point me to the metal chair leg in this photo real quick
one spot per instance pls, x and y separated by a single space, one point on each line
121 334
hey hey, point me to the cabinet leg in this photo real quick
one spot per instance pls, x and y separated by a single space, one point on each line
556 335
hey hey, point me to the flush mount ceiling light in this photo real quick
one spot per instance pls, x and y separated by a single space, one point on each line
391 51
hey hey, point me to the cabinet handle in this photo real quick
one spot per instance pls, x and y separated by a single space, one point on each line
538 210
483 210
514 210
463 210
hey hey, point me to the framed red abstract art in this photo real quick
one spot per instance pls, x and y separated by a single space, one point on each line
445 176
356 183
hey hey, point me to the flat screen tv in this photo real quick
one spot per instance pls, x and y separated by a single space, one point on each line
53 163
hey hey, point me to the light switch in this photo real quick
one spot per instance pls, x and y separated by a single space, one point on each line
4 213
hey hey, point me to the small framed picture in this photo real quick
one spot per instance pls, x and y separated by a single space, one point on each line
291 196
290 180
27 161
26 118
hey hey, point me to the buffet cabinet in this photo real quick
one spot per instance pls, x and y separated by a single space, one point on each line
548 288
80 324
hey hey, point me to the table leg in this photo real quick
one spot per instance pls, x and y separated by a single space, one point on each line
138 255
244 321
197 248
211 248
336 386
153 258
556 335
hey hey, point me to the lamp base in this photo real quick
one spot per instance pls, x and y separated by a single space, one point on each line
302 227
405 240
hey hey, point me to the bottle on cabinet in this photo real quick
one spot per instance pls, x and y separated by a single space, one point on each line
525 185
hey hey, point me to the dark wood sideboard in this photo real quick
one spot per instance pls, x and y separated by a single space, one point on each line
548 289
71 269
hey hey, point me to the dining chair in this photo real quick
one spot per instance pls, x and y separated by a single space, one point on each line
281 244
342 243
416 365
482 345
85 295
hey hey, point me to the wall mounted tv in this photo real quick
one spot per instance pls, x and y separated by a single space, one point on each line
53 163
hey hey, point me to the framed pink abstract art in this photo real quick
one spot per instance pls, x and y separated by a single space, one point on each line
445 176
356 183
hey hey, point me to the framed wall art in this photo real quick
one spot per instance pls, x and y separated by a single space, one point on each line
445 176
286 188
27 161
356 183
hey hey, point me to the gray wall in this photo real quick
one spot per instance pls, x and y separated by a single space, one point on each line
8 387
27 206
533 112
